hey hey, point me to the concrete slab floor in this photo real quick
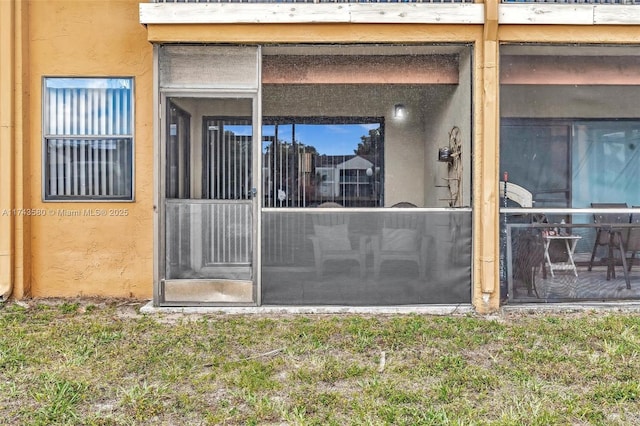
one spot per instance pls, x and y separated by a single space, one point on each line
275 310
444 310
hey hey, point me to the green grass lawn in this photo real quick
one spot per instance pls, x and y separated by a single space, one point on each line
103 363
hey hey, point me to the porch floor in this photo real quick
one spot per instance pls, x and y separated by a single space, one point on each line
588 285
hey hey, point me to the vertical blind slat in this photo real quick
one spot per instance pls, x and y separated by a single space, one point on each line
67 167
82 128
74 147
53 189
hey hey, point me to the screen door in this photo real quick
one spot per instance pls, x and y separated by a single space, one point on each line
209 203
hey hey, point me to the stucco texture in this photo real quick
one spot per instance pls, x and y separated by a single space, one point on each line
108 255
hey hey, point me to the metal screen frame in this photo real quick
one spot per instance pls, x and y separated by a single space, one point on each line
246 90
160 206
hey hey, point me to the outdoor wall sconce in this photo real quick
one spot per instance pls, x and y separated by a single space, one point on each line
444 154
399 111
451 153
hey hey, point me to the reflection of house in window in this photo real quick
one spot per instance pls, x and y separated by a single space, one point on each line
352 179
322 160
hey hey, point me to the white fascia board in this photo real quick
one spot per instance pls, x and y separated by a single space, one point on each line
241 13
417 13
545 14
616 14
568 14
295 13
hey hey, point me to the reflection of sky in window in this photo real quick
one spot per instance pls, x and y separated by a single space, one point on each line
328 139
239 129
89 106
88 83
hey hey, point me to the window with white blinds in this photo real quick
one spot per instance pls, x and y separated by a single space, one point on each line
88 139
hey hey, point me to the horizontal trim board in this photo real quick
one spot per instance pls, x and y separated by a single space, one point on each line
313 33
611 14
568 14
291 13
408 13
544 13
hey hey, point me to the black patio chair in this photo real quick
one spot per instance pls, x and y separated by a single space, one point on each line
603 233
624 240
632 241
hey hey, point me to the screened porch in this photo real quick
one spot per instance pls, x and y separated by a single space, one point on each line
570 132
346 180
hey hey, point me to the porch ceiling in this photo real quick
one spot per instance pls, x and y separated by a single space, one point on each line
406 69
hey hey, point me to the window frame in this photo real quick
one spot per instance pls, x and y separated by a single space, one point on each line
331 120
115 137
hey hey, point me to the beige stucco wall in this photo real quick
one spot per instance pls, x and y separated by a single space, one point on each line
7 128
76 255
452 109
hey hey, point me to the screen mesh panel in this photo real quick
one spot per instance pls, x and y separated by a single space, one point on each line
557 257
208 240
208 66
377 257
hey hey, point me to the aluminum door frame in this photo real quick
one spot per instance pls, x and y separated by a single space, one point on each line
160 193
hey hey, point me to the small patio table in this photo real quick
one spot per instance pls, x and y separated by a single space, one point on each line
570 243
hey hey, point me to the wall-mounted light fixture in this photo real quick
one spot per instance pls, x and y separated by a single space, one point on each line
399 111
444 154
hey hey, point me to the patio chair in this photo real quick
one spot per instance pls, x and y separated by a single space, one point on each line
517 194
633 243
332 241
529 258
401 239
624 240
529 248
603 234
404 204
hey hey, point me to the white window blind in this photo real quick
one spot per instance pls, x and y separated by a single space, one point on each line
88 141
